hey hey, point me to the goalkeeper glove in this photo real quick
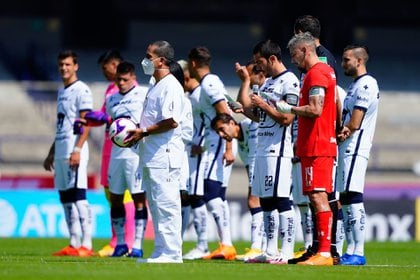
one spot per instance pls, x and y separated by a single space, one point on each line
97 118
78 127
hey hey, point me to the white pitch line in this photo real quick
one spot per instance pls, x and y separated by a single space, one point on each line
392 265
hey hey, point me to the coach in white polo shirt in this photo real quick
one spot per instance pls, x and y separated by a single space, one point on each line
161 152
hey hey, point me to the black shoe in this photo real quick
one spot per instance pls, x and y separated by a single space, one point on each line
335 255
336 258
309 253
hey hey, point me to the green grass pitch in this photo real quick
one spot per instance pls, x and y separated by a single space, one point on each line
25 258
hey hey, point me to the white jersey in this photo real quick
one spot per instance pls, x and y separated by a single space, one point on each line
198 122
195 163
71 100
212 92
273 138
187 135
247 146
164 100
362 94
187 124
128 105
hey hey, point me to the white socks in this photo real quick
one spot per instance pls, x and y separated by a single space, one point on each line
73 223
140 228
85 216
257 230
287 233
220 211
355 227
271 227
359 227
200 225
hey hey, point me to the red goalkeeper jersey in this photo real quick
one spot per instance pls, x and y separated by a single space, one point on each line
316 136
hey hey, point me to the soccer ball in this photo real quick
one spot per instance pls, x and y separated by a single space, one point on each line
118 131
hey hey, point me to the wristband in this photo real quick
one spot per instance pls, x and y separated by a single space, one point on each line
77 149
145 132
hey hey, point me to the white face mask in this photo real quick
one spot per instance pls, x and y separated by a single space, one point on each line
148 66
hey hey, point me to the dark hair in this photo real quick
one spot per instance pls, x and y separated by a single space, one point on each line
67 53
201 55
223 117
268 48
109 55
126 67
356 46
165 50
308 23
177 71
255 68
359 51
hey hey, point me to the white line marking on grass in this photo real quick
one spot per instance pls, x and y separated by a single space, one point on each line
392 265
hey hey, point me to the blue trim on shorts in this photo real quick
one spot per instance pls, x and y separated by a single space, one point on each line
216 155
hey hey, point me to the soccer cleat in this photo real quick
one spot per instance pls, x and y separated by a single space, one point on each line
135 253
277 260
299 253
224 252
305 256
354 260
85 252
261 258
344 257
120 250
106 251
196 254
318 259
265 258
336 258
161 259
250 253
67 251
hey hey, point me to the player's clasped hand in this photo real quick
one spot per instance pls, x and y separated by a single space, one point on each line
343 134
257 101
135 136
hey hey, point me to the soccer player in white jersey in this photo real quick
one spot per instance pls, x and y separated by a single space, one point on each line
273 166
124 173
194 202
245 132
69 155
360 109
218 154
161 152
251 76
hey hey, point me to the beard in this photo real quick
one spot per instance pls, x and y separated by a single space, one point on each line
350 72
